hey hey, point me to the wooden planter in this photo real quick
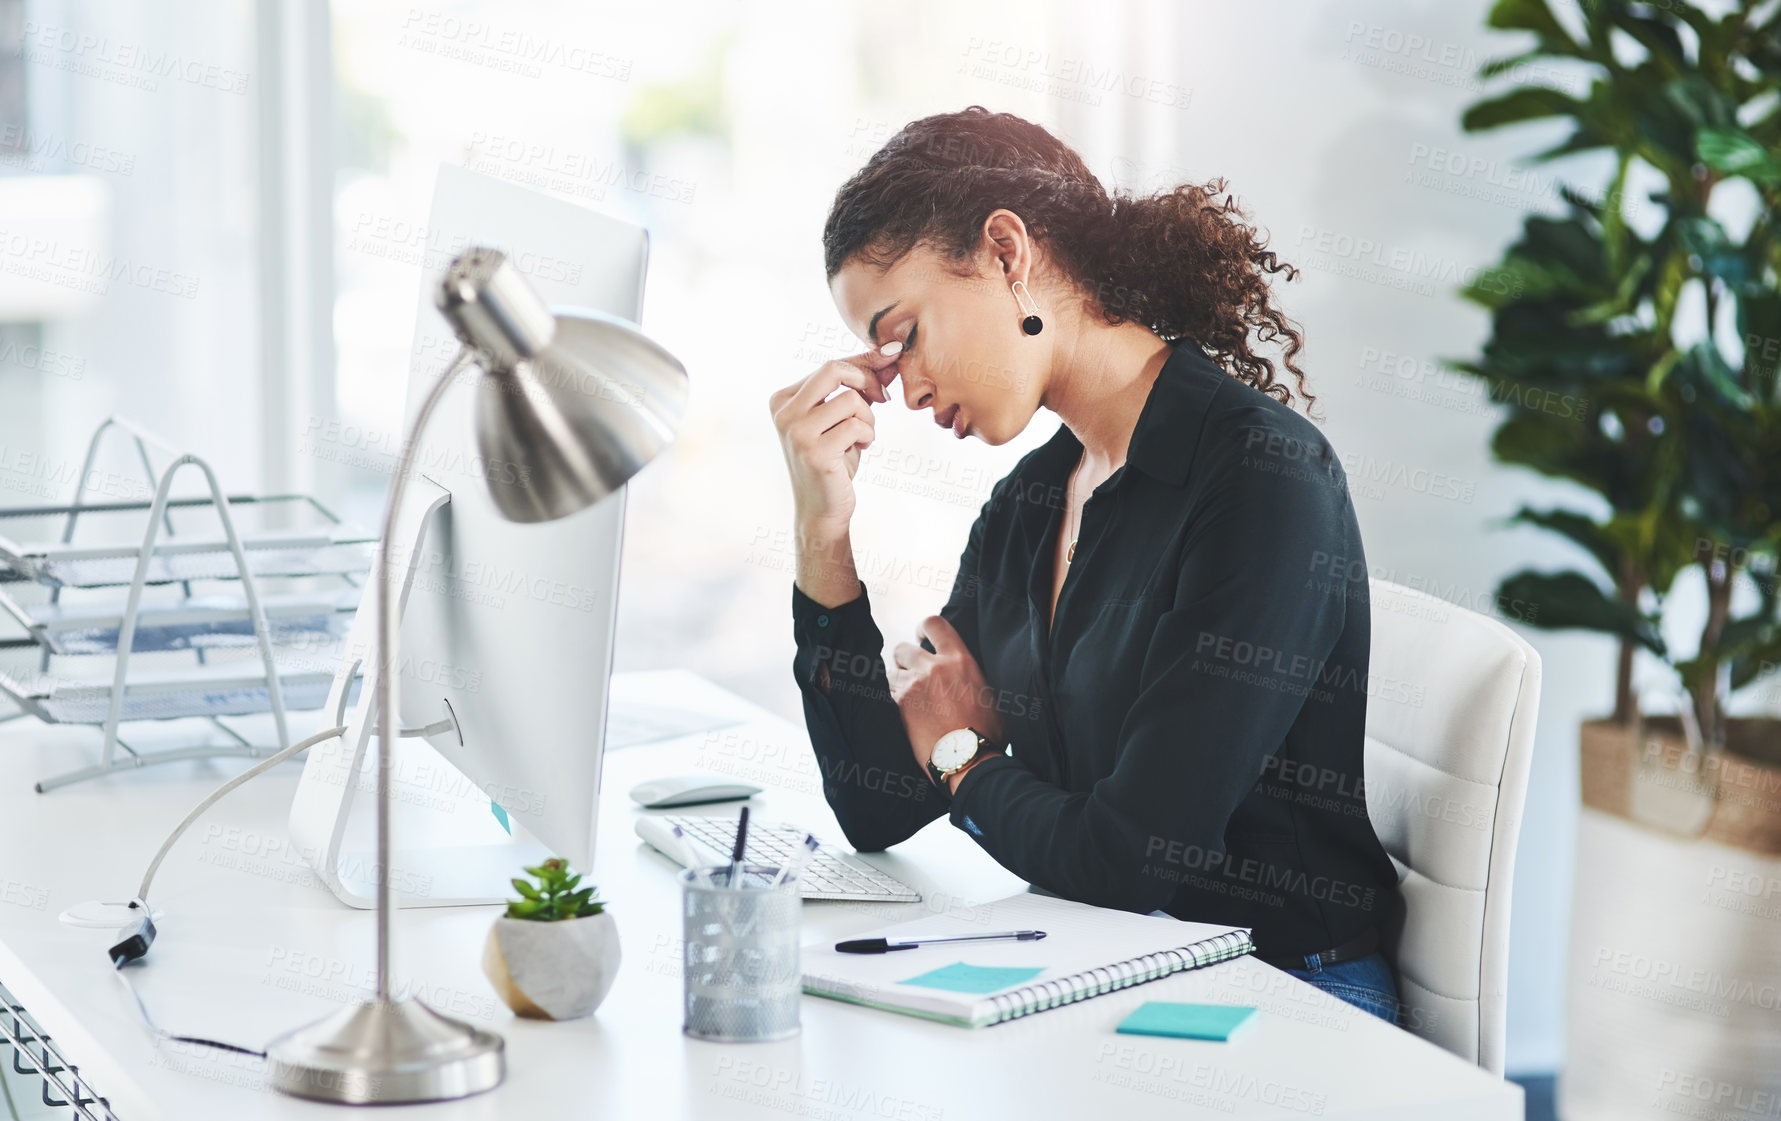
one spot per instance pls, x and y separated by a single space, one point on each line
1648 776
1673 990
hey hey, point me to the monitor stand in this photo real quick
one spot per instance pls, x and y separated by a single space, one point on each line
455 859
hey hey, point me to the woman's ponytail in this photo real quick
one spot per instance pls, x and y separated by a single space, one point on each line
1181 262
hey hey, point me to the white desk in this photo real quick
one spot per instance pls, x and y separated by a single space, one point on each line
251 946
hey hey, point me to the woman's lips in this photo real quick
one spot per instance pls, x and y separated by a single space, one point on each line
958 423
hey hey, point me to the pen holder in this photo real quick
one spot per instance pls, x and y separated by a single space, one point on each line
741 968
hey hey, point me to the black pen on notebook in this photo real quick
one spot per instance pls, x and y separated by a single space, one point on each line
885 945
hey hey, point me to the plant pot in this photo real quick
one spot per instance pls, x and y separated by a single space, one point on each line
1673 992
552 970
1647 775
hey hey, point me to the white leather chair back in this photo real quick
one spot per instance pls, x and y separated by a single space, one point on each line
1452 700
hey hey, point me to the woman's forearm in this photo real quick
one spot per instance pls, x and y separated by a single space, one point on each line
825 564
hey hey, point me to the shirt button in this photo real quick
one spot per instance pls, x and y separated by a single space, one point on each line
822 620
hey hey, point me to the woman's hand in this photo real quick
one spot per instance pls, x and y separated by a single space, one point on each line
939 692
822 436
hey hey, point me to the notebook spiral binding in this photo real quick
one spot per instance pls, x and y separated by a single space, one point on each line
1050 994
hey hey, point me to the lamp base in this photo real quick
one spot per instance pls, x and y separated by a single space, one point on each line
383 1052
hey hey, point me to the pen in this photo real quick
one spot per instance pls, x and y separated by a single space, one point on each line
736 855
805 852
885 946
689 857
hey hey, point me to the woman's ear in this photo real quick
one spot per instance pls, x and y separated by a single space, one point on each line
1009 244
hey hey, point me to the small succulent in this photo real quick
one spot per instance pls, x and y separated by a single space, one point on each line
554 896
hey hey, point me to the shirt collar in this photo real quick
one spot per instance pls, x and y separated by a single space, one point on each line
1168 430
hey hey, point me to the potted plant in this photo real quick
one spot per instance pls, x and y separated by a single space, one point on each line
1600 343
555 953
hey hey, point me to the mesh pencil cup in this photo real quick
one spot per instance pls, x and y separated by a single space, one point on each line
743 979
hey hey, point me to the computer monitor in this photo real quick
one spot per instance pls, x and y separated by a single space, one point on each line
507 629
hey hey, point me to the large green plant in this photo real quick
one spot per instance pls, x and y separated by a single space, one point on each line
1681 443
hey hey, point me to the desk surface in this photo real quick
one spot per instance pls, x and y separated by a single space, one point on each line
251 946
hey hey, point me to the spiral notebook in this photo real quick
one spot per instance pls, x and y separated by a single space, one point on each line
1087 951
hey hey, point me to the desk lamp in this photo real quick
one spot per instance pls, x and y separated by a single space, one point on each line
577 402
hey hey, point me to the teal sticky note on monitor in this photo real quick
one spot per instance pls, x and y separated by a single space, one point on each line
962 978
1187 1021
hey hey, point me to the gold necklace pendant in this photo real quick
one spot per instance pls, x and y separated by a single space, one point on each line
1071 555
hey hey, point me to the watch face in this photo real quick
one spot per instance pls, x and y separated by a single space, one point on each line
955 749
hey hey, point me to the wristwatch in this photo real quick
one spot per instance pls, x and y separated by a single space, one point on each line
954 750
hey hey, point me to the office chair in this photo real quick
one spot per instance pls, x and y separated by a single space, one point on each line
1453 697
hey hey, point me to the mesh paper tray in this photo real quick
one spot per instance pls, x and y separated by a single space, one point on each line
332 552
232 689
196 623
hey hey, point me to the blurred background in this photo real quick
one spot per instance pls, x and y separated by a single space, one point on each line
212 219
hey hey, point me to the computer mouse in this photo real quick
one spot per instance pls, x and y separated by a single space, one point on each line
690 790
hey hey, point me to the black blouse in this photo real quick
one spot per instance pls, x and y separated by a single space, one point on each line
1189 734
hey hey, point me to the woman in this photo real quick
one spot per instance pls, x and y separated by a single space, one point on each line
1147 689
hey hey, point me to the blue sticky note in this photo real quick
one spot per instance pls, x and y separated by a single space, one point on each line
1187 1021
961 978
500 816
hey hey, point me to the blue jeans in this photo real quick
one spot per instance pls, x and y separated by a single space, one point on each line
1366 983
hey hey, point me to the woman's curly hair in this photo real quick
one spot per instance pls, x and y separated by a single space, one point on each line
1180 261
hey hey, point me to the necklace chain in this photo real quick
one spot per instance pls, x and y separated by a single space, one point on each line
1075 516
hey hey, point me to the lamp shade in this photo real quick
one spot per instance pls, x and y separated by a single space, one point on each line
572 403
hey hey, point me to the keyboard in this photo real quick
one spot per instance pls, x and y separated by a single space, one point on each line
829 874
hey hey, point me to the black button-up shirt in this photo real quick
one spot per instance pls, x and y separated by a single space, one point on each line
1188 733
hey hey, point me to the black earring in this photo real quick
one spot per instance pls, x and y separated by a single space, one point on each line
1032 324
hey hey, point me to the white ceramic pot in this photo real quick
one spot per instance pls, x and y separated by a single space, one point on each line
1674 988
552 970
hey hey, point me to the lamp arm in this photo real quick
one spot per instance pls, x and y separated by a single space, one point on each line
387 618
